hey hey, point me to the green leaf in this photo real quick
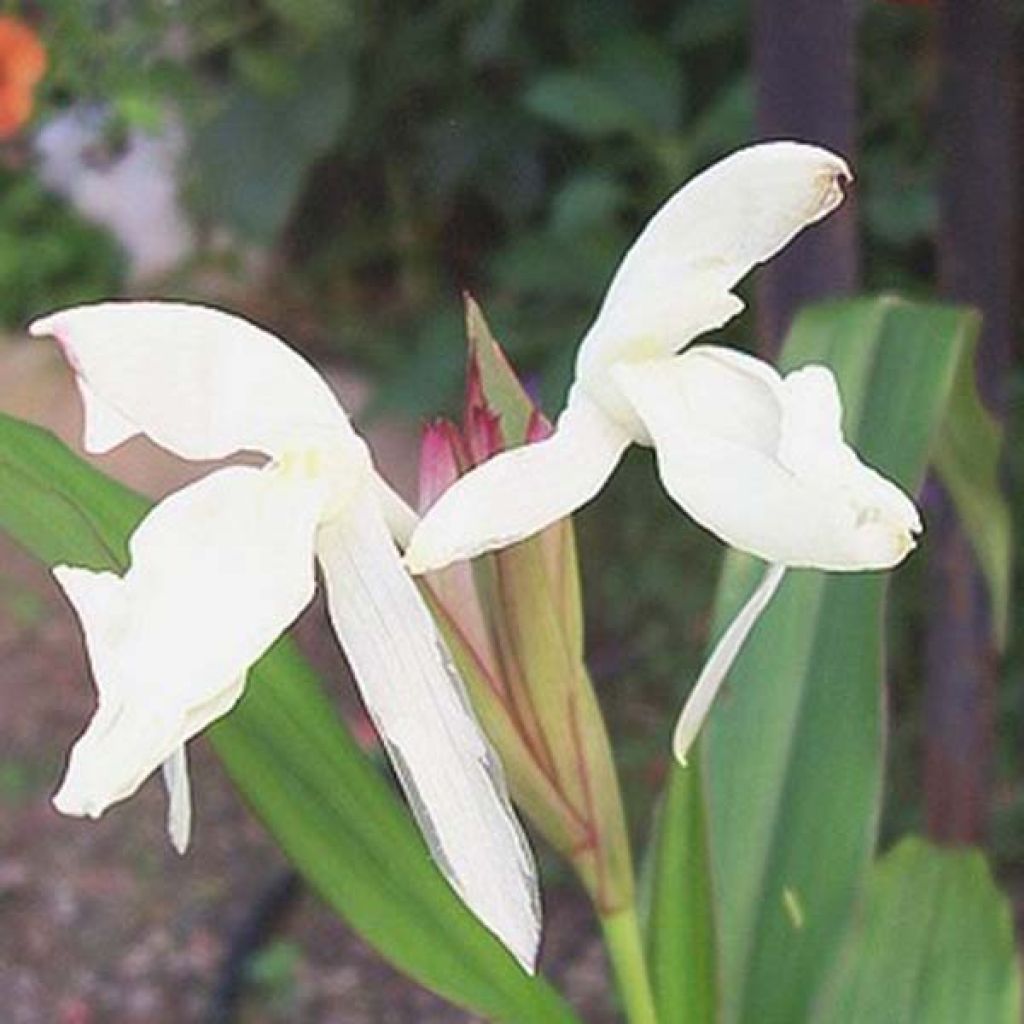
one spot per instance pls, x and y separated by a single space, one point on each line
313 18
335 817
253 157
588 200
967 457
648 75
581 104
933 944
681 937
792 754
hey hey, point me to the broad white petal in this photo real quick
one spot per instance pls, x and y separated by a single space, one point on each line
811 444
676 281
453 781
218 571
517 493
761 463
201 383
105 427
179 798
716 668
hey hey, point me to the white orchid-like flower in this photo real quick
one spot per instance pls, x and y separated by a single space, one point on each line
756 458
222 567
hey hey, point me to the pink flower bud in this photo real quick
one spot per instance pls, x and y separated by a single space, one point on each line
539 427
484 436
442 457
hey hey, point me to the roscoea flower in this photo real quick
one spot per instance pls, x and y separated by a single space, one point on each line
222 567
22 65
755 458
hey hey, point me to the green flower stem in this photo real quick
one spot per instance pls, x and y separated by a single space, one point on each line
626 952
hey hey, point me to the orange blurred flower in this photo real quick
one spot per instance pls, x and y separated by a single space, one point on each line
22 64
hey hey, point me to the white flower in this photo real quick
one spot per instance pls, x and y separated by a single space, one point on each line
757 459
222 567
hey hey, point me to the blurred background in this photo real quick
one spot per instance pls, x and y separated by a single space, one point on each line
341 171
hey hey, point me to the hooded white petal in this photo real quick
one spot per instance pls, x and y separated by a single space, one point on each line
519 492
761 463
218 571
412 691
201 383
676 281
716 668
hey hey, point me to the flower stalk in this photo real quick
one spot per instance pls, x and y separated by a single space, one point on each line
625 948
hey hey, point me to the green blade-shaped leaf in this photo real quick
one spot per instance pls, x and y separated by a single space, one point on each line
681 938
933 944
967 455
793 752
331 811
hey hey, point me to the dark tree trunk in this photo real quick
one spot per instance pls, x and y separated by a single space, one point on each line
804 62
977 253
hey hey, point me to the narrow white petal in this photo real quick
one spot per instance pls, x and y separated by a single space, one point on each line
179 798
517 493
716 668
175 768
202 383
412 690
218 571
398 514
762 464
676 281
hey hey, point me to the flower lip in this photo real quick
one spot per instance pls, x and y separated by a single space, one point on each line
760 461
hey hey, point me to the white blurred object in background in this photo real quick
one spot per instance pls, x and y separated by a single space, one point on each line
133 192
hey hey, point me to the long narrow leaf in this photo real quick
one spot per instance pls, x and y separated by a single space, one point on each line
933 944
792 754
681 936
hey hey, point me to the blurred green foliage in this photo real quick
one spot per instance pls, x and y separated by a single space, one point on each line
48 256
396 151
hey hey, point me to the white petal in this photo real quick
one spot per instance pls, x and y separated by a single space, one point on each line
398 514
175 768
179 798
676 281
811 444
762 464
716 668
412 691
202 383
517 493
105 427
218 571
